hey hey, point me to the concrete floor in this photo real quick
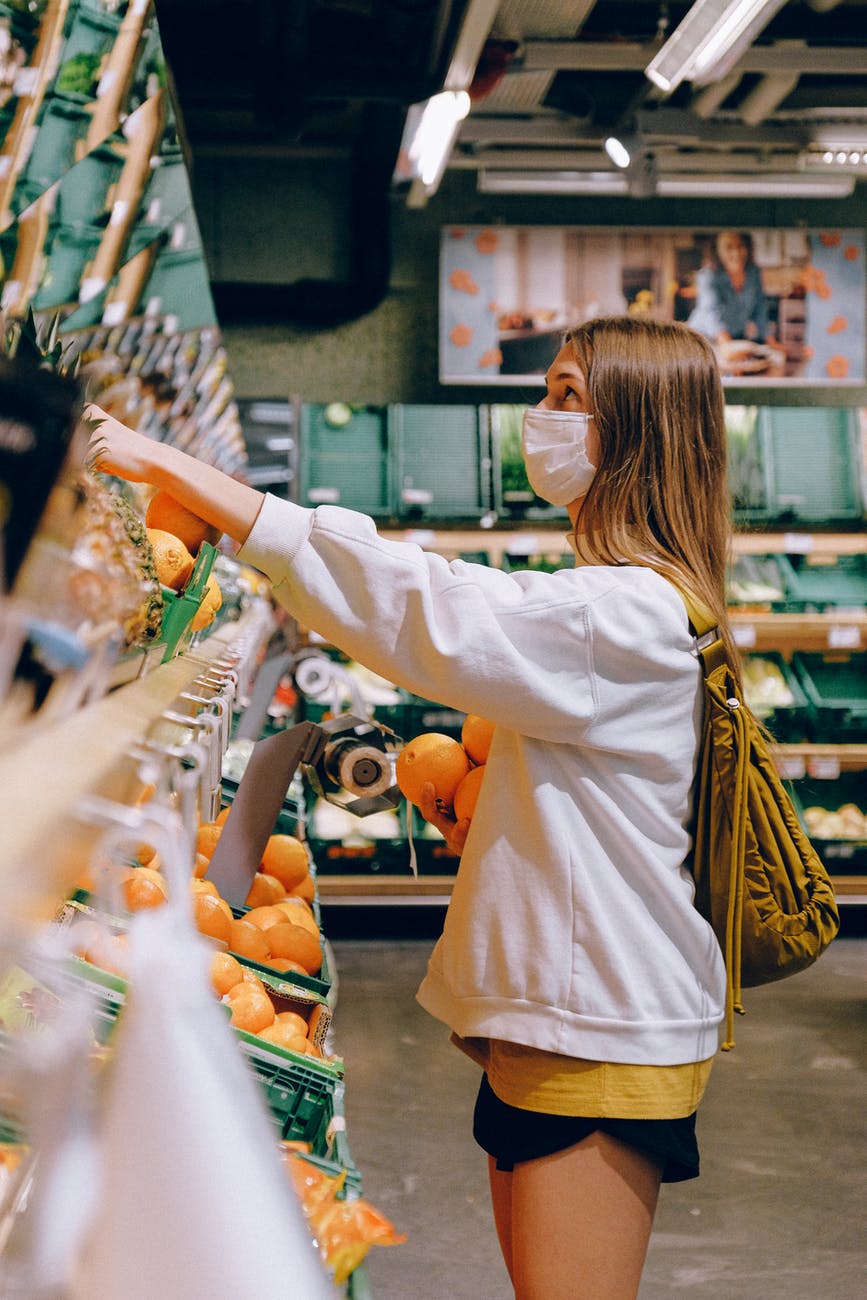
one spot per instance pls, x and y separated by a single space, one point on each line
779 1210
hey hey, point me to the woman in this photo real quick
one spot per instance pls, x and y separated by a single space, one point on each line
730 300
573 965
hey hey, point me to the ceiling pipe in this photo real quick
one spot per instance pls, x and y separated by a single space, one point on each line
706 102
765 96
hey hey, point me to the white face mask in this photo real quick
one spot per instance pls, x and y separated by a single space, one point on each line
555 454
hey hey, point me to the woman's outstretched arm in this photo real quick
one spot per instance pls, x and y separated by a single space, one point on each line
231 506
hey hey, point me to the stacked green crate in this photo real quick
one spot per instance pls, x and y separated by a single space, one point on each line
835 686
442 461
794 464
345 458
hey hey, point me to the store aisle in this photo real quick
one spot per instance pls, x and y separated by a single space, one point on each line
778 1211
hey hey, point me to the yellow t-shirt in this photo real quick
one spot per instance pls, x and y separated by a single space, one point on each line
562 1085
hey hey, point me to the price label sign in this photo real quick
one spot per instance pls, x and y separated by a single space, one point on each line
825 767
791 768
844 636
744 635
798 543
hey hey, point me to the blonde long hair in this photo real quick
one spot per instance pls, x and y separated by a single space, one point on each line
660 497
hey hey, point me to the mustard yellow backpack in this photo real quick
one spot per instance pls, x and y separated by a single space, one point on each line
758 879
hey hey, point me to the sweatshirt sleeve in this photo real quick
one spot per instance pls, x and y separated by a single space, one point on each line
515 648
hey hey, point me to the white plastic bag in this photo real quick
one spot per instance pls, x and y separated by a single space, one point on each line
194 1202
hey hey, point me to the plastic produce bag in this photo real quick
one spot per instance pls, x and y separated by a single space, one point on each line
194 1201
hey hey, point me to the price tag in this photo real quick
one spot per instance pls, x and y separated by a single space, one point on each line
323 496
522 544
791 767
421 536
798 543
825 767
744 635
843 636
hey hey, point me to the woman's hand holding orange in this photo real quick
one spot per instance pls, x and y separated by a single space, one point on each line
455 832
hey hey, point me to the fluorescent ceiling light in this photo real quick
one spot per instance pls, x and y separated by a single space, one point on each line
782 185
706 45
502 182
430 132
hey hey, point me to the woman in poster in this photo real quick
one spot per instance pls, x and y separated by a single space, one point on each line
730 301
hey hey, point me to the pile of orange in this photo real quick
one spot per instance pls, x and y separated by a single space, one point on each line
252 1007
454 768
175 535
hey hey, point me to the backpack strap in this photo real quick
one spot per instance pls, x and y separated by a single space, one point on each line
709 647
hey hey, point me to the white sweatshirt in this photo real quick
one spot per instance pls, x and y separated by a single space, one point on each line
571 926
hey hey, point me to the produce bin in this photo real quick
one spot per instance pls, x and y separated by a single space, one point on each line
805 466
538 562
840 838
819 587
835 686
756 581
344 458
306 1102
442 461
776 697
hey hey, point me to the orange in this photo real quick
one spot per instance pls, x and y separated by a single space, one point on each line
283 1036
293 1019
167 513
248 940
222 815
476 736
431 757
212 599
200 866
468 792
306 890
145 854
265 917
285 966
264 890
143 888
250 977
200 886
226 972
251 1007
297 944
298 912
206 838
172 560
209 916
286 858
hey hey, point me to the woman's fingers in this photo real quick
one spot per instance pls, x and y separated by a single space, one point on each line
435 812
115 449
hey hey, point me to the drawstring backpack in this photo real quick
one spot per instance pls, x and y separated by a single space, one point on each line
758 879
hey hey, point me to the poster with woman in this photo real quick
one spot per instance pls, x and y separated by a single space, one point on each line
781 307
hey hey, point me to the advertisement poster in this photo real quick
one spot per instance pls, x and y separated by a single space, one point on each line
781 307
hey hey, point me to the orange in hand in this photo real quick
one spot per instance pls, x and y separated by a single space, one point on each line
166 513
431 757
476 736
468 792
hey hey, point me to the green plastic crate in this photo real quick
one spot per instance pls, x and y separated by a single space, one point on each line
817 587
836 687
442 458
841 855
346 464
808 459
756 581
306 1101
788 723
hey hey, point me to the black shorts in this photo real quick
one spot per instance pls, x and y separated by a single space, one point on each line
511 1135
